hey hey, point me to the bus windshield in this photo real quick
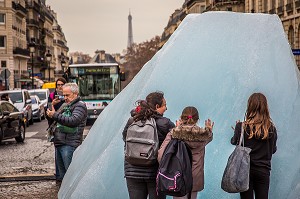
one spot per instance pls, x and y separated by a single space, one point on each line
96 83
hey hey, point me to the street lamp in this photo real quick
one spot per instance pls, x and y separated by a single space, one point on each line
49 58
31 46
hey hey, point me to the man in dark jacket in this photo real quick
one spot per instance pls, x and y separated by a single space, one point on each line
71 121
56 102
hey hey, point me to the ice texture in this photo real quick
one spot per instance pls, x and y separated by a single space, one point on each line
213 61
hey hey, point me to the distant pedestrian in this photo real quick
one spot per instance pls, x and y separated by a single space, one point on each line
5 97
56 98
261 136
141 180
196 138
70 125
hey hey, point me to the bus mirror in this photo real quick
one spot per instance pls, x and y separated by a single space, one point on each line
122 76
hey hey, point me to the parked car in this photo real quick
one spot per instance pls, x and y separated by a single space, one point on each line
43 94
21 99
38 108
11 122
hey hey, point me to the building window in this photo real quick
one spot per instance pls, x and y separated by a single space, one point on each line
2 41
3 64
2 18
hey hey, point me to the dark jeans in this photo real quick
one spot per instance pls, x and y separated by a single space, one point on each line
140 189
258 185
64 156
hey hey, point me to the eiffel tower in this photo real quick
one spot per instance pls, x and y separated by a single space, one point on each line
130 35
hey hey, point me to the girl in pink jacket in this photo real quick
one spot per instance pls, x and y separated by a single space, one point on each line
197 138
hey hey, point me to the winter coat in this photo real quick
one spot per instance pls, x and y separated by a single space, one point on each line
196 138
77 119
164 125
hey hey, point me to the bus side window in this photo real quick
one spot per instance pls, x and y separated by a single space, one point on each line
83 84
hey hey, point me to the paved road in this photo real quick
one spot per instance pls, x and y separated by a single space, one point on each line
33 158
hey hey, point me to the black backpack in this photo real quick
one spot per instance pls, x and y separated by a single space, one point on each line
174 175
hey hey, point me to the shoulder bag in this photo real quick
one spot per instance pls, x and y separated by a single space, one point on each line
236 175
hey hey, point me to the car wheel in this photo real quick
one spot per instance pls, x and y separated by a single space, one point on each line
21 136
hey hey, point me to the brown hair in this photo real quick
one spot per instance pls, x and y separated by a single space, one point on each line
258 116
148 107
189 115
60 79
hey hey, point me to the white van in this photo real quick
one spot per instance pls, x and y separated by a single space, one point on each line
43 94
21 99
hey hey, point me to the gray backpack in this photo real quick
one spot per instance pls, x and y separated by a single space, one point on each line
142 143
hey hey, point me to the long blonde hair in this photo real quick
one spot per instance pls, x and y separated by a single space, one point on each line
258 116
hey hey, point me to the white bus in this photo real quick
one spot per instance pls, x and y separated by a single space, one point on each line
99 84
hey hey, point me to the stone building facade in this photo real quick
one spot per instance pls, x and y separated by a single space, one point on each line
13 45
23 22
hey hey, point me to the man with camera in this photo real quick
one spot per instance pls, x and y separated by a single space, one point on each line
55 99
70 122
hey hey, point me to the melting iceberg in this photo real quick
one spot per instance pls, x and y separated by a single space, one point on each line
214 61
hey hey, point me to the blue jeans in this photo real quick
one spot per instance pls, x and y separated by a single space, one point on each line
64 156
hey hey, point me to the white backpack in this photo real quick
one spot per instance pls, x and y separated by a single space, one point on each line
142 143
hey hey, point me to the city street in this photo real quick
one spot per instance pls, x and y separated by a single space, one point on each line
27 169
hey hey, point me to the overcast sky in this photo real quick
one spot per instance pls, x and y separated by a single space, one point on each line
103 24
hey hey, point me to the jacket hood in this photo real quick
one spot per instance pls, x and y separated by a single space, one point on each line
192 133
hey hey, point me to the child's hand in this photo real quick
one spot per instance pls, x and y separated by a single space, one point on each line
178 122
209 124
235 124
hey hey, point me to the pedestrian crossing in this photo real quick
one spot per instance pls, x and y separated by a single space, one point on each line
30 134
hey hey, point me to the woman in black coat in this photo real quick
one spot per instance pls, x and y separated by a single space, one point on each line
261 137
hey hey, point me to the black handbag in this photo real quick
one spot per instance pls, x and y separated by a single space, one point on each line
236 175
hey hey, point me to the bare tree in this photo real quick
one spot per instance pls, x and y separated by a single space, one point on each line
137 56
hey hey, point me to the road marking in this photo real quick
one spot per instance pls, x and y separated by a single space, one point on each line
30 134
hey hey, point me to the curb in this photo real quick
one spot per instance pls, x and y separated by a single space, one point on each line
29 177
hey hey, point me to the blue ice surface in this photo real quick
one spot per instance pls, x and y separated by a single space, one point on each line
213 61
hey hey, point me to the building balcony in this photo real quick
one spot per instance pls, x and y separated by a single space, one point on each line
21 51
32 22
272 11
59 42
42 17
31 4
222 2
19 8
192 2
58 28
289 7
280 10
